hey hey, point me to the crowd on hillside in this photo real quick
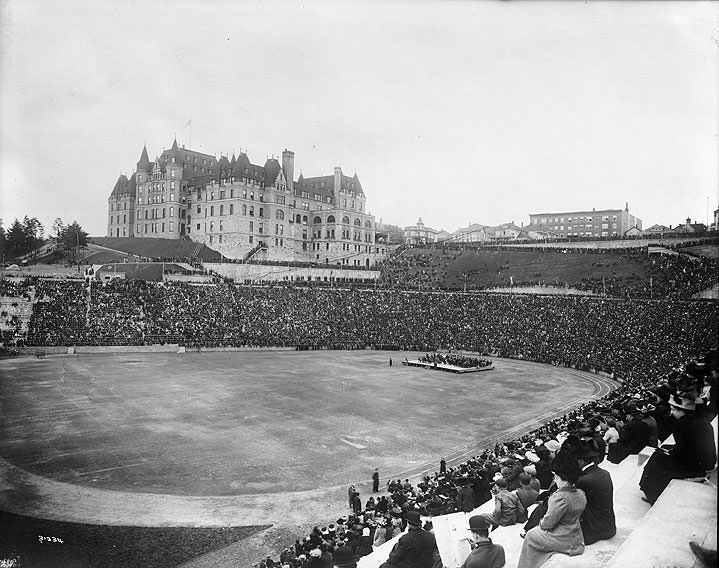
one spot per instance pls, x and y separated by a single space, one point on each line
657 276
518 473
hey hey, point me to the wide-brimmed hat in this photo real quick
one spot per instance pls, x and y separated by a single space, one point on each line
682 403
552 445
500 482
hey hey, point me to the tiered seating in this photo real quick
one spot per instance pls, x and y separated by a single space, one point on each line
646 536
685 511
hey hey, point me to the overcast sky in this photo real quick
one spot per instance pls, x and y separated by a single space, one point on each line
457 112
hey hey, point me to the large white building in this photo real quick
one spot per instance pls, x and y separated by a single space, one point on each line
244 210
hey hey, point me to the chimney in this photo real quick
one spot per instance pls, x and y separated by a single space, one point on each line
288 167
338 184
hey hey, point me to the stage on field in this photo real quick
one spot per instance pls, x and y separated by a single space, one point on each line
445 367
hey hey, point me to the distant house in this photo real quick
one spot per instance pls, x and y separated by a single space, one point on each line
473 233
658 231
506 232
419 234
633 232
537 233
690 228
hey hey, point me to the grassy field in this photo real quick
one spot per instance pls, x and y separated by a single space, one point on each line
267 428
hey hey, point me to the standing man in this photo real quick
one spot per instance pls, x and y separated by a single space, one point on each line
375 479
351 495
416 549
442 466
485 554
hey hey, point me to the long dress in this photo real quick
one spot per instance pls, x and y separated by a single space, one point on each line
693 454
558 531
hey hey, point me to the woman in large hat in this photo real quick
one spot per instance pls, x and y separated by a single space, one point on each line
693 454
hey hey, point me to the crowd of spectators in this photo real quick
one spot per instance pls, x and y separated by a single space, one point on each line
644 344
676 276
622 337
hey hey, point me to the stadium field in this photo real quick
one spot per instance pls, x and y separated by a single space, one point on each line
233 423
249 440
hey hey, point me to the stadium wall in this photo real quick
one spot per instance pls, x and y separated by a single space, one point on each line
246 273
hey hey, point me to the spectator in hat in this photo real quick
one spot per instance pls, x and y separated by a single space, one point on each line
531 470
633 438
484 554
597 520
382 533
527 494
344 557
611 436
364 546
544 467
559 529
693 454
316 560
507 506
647 409
416 549
466 497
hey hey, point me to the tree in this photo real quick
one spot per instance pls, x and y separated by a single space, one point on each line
3 242
58 226
16 241
72 238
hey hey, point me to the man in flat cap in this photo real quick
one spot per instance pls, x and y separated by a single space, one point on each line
485 554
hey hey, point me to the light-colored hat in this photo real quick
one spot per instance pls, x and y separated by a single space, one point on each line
682 403
316 552
552 445
530 469
531 456
365 531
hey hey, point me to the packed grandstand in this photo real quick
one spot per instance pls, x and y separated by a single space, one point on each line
654 349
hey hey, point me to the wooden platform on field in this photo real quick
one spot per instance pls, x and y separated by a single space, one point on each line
445 367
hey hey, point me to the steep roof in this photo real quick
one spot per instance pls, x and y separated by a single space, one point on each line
121 185
325 185
144 163
272 170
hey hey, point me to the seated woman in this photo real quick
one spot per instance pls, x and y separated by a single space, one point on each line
693 454
559 529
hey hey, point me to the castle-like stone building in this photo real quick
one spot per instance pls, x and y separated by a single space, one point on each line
244 210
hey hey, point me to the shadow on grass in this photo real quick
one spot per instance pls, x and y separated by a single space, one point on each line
94 546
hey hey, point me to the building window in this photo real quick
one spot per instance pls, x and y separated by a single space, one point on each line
244 209
232 208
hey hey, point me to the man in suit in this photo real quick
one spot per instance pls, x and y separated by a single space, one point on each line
485 554
416 549
597 520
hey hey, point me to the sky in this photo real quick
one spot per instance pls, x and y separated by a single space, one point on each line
455 112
